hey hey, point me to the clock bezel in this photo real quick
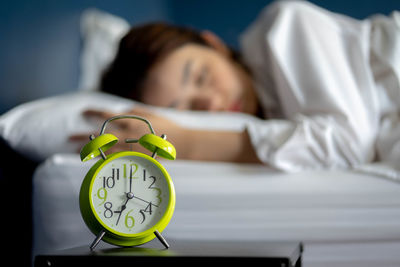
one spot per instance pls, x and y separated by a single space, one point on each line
94 222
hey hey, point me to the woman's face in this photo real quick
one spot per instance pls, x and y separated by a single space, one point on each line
196 77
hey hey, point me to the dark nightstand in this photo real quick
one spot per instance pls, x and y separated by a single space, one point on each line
279 254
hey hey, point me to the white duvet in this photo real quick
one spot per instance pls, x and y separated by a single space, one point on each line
334 79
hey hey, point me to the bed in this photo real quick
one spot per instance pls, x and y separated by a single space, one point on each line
343 217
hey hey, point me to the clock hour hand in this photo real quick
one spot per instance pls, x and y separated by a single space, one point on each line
120 211
128 197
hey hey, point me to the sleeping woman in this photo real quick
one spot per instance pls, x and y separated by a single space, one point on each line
325 87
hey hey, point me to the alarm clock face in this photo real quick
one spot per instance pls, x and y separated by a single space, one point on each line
130 194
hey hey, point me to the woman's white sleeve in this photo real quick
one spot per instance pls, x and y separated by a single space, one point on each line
323 85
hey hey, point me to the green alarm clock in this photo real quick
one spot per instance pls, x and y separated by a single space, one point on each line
127 198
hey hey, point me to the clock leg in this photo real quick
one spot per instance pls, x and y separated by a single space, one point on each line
96 241
161 239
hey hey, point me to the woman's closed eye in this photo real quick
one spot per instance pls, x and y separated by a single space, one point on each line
202 77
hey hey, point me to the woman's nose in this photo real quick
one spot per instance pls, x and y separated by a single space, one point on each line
205 102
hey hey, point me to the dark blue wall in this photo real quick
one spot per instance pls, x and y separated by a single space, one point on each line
40 43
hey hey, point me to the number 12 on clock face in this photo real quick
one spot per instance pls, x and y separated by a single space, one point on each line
129 195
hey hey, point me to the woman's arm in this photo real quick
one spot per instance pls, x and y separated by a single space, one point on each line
189 143
214 145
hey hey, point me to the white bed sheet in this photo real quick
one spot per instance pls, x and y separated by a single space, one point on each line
344 218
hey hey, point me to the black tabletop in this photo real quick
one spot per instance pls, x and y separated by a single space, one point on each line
269 253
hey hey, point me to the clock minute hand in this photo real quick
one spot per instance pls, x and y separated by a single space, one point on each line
144 200
130 181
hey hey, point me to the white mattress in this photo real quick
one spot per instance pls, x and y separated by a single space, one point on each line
344 218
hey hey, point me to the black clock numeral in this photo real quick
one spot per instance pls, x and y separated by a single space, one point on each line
108 213
148 209
110 180
154 181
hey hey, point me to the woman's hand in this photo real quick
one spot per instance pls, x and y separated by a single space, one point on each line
130 128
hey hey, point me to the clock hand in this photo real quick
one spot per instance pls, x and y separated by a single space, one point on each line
130 181
122 209
144 200
129 196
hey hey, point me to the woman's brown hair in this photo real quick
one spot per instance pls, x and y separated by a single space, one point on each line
139 50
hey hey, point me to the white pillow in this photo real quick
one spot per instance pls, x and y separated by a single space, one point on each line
41 128
101 33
